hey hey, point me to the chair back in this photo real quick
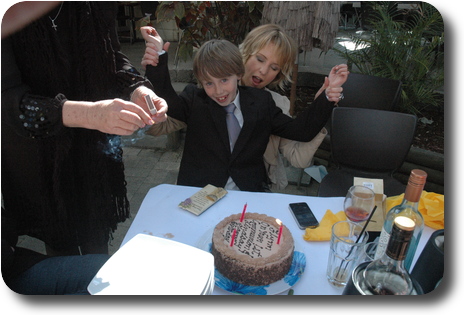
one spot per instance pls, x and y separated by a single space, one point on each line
367 91
371 140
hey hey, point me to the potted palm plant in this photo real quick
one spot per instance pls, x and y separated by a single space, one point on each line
406 45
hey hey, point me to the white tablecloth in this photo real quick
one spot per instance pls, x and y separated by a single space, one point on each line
159 215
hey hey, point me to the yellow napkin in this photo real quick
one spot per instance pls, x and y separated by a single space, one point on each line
431 206
324 230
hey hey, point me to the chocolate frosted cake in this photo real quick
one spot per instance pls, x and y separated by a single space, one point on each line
255 257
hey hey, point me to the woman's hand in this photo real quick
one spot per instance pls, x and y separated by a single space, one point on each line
114 116
138 97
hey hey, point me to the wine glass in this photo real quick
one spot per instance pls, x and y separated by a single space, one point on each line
359 203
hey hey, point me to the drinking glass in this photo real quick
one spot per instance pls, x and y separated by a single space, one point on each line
346 247
359 203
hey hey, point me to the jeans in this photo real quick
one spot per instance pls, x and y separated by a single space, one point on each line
59 275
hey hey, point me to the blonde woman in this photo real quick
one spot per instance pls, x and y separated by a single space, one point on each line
269 55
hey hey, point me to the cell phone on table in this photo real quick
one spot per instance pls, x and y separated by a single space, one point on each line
303 215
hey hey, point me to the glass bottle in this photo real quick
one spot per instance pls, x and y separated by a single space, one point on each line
387 275
407 208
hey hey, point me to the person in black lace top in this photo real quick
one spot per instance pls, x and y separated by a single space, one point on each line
68 93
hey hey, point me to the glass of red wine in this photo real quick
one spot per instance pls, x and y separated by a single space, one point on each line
359 203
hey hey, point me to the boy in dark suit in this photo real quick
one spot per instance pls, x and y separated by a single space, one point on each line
210 156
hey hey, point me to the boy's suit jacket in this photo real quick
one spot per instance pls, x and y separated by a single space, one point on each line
207 158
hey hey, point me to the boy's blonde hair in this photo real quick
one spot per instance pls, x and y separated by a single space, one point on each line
217 58
287 50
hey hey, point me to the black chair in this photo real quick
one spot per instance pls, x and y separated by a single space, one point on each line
367 143
368 91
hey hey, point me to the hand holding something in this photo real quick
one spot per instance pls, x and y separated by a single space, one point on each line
138 97
337 77
114 116
118 117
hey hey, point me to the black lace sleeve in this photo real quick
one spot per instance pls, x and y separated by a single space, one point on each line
41 117
27 114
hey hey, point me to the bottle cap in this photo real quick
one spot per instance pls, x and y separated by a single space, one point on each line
405 223
415 185
418 177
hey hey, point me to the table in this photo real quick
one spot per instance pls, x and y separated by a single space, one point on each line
159 215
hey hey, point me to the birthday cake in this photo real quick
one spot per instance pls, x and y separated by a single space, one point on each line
254 258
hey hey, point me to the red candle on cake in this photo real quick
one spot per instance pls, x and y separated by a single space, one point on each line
232 240
243 213
280 231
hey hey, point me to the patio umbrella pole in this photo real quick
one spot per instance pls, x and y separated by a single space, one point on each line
310 23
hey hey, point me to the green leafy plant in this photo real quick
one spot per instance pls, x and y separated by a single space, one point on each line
406 46
204 20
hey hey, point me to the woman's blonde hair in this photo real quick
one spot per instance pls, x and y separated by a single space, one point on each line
286 47
217 58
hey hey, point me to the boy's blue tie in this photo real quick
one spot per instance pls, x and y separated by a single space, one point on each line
232 125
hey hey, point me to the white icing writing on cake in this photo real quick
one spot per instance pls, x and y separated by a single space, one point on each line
253 238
